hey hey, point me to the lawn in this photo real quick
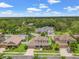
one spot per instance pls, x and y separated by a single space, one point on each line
44 51
13 53
20 48
51 54
76 54
36 57
58 33
62 32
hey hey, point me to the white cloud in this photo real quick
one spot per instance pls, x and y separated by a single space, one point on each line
56 13
52 12
74 8
48 10
53 1
4 5
43 6
9 13
33 10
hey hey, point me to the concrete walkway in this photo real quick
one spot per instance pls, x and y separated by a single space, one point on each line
64 52
29 52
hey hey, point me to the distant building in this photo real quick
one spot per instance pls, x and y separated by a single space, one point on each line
39 42
47 29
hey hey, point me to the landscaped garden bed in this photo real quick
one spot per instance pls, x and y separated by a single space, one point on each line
20 50
74 46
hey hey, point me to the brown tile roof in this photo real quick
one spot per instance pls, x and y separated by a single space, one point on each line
13 40
76 36
62 37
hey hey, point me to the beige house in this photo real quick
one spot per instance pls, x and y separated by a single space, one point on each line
12 41
38 42
63 40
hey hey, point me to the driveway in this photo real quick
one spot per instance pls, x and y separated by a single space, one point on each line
29 52
2 50
64 52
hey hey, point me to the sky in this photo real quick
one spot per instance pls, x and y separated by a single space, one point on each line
38 8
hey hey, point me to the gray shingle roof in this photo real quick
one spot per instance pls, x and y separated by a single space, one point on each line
45 29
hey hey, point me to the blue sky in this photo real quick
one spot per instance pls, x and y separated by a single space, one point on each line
21 8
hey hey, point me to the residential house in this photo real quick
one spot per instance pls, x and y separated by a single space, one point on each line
63 40
39 42
12 41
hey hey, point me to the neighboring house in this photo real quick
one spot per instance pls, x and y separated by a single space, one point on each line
12 41
75 36
39 42
63 40
47 29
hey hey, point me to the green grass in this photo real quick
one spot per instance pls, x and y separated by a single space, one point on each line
53 54
13 53
20 48
50 52
36 57
62 32
44 51
75 52
58 33
49 40
62 57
